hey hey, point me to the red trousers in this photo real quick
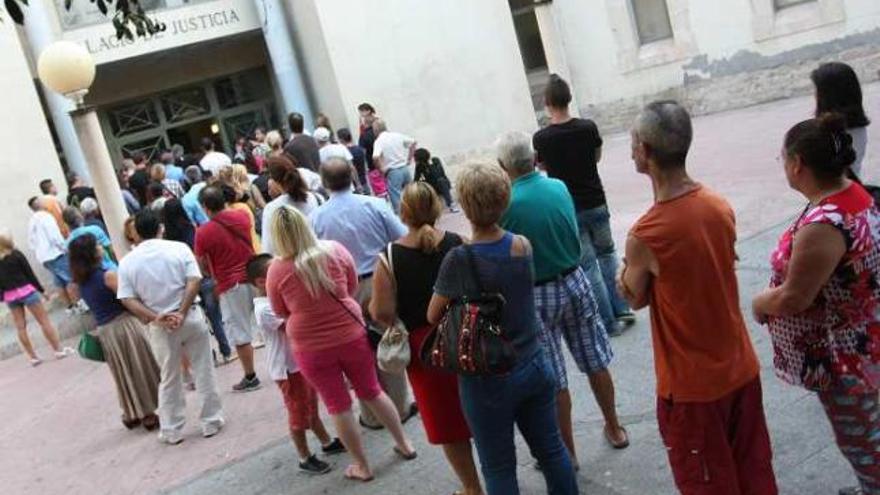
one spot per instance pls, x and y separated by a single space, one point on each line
720 447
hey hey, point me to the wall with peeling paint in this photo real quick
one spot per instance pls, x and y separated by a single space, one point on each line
725 53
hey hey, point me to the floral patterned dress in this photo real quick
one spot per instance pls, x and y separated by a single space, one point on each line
835 343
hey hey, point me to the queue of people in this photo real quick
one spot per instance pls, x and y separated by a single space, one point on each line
297 241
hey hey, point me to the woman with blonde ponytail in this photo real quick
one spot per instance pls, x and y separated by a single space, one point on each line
403 283
312 285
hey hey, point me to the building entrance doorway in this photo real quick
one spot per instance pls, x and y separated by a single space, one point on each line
223 109
190 135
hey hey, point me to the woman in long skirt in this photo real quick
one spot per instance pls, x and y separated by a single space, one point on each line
122 336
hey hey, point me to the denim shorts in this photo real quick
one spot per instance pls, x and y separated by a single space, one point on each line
60 270
28 300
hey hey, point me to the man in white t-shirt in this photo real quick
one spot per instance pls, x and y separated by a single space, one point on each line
213 161
327 150
158 282
392 154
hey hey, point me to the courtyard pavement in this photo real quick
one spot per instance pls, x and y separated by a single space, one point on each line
60 429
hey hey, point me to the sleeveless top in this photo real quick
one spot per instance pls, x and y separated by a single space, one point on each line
414 273
102 301
512 276
835 343
702 350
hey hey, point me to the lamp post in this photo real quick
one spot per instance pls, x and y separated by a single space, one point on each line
68 68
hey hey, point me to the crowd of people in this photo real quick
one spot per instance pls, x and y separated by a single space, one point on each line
313 246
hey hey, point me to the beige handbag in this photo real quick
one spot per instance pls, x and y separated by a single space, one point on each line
393 354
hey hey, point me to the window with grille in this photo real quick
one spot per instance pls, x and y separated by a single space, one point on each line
133 117
652 20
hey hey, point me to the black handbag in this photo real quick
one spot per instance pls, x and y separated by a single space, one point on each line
470 338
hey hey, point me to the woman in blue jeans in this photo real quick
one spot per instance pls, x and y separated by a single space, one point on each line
525 397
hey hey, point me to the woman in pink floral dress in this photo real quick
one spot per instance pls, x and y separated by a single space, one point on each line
824 296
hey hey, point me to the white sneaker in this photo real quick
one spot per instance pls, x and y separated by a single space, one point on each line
213 428
81 307
35 361
170 437
63 353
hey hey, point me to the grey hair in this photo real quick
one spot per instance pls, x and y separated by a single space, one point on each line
665 126
514 151
88 206
379 126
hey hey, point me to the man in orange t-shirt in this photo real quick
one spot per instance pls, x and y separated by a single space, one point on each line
680 260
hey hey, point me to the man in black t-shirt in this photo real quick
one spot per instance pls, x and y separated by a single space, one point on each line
569 149
77 190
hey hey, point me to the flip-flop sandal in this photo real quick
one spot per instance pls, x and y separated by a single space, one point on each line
349 476
406 457
413 411
617 445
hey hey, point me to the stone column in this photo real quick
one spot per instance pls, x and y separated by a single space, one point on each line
41 33
106 185
285 63
554 50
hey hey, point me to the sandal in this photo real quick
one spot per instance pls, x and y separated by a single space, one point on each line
369 426
413 411
351 475
619 445
406 457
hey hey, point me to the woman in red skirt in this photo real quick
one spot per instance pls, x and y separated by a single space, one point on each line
402 288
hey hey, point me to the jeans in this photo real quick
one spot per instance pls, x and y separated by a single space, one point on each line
526 397
397 179
212 310
599 260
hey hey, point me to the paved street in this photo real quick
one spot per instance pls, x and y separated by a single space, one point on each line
60 429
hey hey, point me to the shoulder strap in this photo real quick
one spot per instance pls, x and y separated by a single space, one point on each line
472 264
235 233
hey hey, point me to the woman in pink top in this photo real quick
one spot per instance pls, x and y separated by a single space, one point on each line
312 285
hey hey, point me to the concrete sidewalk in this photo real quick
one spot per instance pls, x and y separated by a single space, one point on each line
60 428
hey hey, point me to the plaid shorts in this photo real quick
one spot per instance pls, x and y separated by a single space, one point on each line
567 310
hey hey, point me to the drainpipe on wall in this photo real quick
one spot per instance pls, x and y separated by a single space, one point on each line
285 63
40 34
554 49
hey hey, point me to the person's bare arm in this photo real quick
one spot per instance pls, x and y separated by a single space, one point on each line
383 305
189 295
137 308
637 273
817 250
436 308
111 281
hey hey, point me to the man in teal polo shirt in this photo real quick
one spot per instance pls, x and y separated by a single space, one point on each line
541 209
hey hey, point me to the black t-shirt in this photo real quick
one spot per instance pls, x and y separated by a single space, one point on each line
366 141
138 183
568 153
78 194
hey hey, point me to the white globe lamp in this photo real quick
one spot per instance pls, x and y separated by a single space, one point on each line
67 68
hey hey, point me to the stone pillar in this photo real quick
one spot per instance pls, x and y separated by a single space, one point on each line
285 64
554 50
88 130
41 33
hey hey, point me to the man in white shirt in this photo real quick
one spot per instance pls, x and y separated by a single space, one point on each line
48 245
328 150
213 161
392 154
158 283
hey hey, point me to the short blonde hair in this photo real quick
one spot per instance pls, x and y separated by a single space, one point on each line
274 140
7 245
483 192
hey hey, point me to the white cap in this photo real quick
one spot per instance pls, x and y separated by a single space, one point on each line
321 134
